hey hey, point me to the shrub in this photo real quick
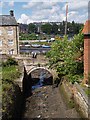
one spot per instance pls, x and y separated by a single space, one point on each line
73 78
10 72
64 57
10 61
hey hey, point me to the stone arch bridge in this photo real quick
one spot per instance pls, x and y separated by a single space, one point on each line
30 65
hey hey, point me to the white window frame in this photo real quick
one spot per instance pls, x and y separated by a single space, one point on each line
10 42
10 32
0 43
11 52
0 52
0 32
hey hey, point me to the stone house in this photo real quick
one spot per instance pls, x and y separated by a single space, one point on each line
9 34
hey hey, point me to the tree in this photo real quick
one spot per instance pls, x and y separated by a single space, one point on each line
32 28
64 55
54 28
47 28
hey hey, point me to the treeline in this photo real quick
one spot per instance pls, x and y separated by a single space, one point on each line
51 28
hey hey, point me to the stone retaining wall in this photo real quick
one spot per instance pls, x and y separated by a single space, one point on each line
81 99
76 92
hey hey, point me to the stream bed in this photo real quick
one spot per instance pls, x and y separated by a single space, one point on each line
46 102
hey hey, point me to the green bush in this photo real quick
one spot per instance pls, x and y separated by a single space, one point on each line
10 61
73 78
10 72
64 57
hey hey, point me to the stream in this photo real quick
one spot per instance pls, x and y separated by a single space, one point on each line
40 83
47 102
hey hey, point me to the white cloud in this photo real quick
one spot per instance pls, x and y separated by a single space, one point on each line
54 11
11 3
1 4
23 19
45 0
75 16
42 11
76 5
39 5
30 4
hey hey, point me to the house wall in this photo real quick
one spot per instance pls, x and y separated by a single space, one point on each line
86 58
4 37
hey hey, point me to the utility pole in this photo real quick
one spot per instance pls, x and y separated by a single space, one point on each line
66 19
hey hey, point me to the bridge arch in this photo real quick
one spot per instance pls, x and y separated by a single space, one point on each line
51 71
36 68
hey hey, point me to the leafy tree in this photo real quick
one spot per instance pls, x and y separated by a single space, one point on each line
54 28
10 62
47 28
50 28
64 56
73 28
32 28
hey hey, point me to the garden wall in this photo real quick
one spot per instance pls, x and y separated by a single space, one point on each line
76 93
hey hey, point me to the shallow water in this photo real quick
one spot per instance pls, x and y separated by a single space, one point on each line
40 82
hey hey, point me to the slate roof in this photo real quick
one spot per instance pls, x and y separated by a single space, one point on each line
86 29
6 20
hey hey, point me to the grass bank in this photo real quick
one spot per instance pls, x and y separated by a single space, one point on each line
11 93
10 72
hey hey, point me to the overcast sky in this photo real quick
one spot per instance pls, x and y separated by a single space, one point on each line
46 10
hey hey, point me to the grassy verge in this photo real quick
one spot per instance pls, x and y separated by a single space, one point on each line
10 72
87 91
69 102
10 91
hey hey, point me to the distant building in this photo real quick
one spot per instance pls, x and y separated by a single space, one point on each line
39 24
23 28
9 34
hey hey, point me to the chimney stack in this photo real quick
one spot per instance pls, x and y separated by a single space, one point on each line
11 13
